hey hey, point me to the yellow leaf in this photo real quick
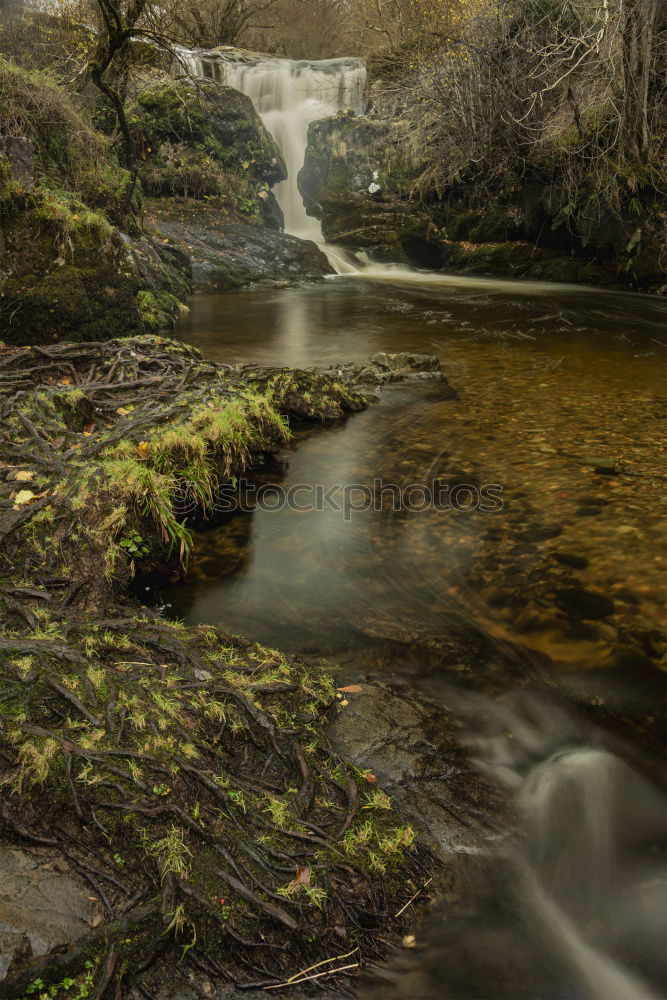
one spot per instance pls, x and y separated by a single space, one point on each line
24 476
67 380
143 450
123 412
23 496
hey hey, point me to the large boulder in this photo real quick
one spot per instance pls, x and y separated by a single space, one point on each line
226 254
205 140
67 273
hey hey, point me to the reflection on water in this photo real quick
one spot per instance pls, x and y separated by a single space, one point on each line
351 317
560 402
549 383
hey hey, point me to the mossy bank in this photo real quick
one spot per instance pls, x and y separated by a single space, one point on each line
183 773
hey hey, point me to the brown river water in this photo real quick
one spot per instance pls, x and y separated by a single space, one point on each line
555 401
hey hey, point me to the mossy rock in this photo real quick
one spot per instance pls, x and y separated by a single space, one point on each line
66 273
63 272
347 158
193 138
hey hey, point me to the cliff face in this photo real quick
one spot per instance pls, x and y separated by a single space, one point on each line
354 182
207 141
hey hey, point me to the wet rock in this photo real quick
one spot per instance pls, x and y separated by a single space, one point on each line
578 603
409 746
44 906
603 466
383 368
398 362
540 533
571 560
349 181
270 210
225 254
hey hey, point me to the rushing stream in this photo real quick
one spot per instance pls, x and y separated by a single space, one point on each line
554 400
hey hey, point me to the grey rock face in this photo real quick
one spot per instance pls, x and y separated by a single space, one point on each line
352 178
226 255
43 906
19 152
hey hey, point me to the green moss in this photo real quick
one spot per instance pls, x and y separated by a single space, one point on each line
69 153
158 309
204 142
70 272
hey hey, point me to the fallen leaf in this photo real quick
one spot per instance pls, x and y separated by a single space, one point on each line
24 476
143 450
352 689
67 380
302 877
23 496
371 779
409 941
123 411
97 920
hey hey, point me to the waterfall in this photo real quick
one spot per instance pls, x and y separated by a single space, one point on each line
288 96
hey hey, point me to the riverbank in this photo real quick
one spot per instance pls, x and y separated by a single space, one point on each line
177 780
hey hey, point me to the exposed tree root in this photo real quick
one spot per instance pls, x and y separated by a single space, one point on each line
182 773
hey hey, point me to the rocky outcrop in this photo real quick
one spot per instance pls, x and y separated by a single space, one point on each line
349 181
66 268
206 140
225 254
358 178
65 272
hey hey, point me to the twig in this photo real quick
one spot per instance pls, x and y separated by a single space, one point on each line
412 899
295 982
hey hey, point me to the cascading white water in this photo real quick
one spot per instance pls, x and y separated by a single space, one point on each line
288 96
580 862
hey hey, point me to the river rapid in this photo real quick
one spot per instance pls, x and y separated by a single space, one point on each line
534 622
